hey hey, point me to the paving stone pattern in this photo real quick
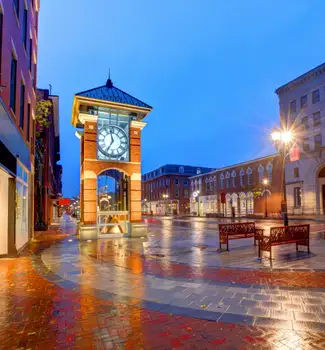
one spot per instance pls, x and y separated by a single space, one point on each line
117 294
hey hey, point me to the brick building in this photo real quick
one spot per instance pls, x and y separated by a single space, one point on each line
302 110
166 190
18 53
241 186
48 173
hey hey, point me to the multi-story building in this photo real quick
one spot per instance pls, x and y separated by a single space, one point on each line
166 190
48 173
18 52
302 109
249 188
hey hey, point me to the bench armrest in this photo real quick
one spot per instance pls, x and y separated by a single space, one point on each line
259 233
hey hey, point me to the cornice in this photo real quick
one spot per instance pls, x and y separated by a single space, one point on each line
310 75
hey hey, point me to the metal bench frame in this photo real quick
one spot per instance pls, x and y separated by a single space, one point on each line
238 230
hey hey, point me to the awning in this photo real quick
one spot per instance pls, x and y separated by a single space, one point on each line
11 138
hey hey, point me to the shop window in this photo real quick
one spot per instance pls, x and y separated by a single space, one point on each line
297 197
21 206
316 96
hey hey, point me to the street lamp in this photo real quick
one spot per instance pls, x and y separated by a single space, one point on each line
197 198
283 140
265 183
165 196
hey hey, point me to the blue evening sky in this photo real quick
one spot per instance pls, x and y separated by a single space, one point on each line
209 68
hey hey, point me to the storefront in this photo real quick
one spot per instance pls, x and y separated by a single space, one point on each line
4 195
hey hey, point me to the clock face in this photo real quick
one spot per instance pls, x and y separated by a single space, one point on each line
112 142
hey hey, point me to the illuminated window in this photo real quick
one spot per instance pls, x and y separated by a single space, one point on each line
297 197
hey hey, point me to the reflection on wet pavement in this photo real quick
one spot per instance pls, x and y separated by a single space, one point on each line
173 290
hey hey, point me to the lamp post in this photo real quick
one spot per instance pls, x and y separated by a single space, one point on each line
197 198
282 140
165 196
265 183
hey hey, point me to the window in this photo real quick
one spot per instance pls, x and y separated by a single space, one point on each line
30 54
242 174
186 193
249 176
315 96
185 182
28 122
303 101
297 197
1 34
269 169
181 170
176 181
16 6
233 175
296 172
316 118
293 106
176 194
221 180
304 123
22 107
24 28
260 173
13 83
318 142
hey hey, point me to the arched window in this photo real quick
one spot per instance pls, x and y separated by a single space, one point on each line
260 173
233 175
249 173
227 179
222 178
269 169
242 174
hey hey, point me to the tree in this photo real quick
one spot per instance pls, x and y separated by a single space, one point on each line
43 109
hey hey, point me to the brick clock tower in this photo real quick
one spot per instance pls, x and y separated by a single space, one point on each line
109 123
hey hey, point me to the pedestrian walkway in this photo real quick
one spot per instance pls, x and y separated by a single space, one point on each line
143 294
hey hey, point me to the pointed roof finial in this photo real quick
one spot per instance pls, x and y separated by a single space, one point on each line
109 82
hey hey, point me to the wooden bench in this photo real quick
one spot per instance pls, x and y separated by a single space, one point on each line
298 234
238 230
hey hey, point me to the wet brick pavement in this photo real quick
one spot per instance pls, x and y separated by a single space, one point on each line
122 294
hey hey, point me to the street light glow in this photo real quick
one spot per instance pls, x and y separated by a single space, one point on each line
276 135
265 181
287 136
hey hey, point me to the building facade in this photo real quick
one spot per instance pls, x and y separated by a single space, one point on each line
18 62
302 110
166 190
48 173
239 189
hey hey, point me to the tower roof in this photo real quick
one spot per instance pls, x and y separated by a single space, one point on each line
111 93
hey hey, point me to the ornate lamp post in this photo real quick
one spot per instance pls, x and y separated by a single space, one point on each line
283 140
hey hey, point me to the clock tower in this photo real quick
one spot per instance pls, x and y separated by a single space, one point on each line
109 122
